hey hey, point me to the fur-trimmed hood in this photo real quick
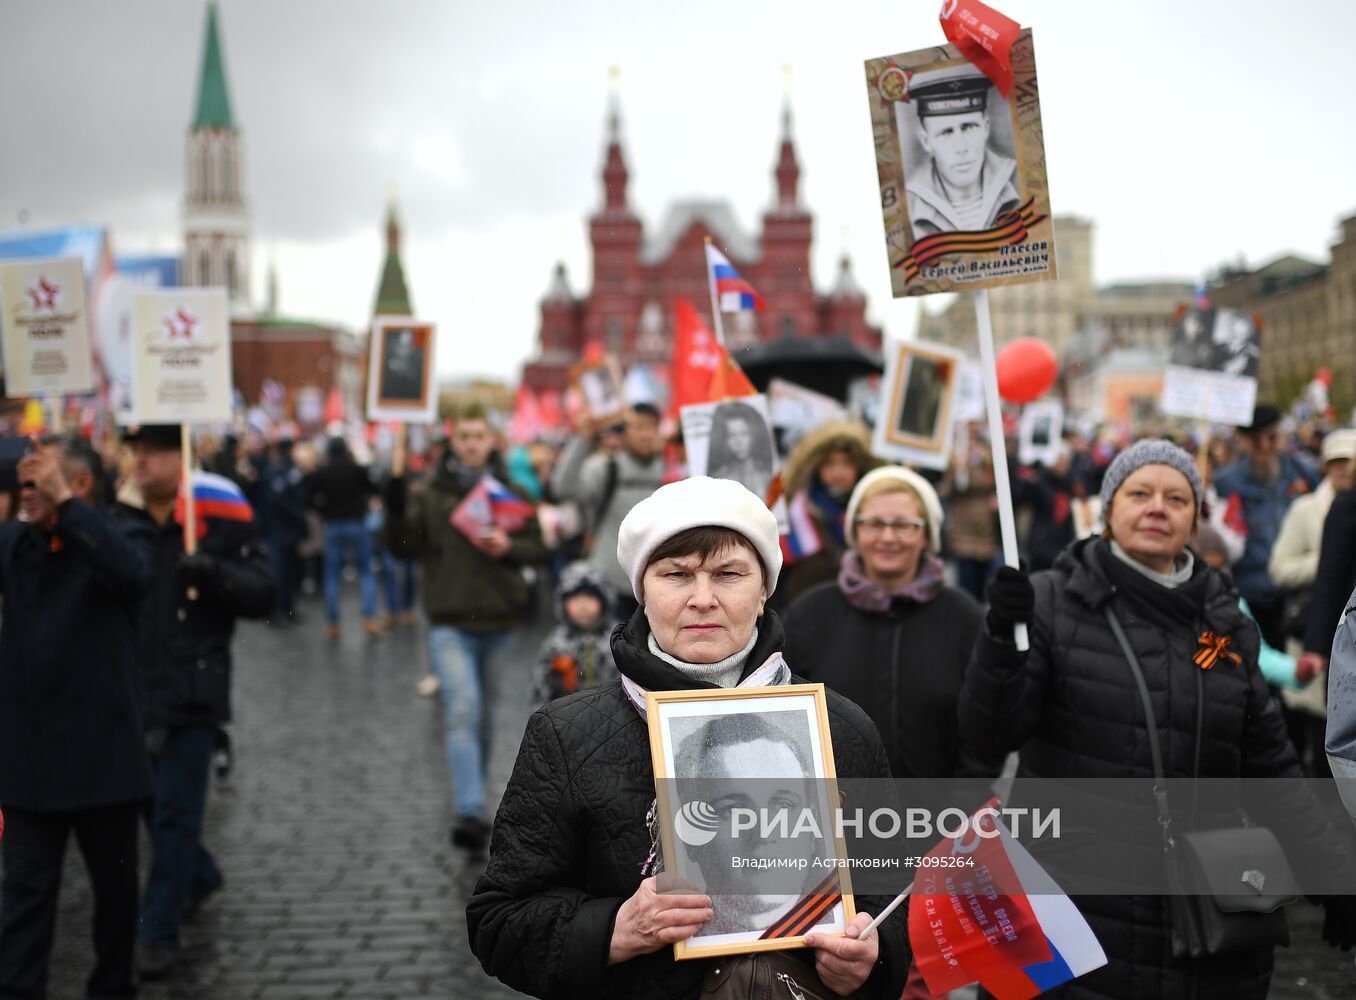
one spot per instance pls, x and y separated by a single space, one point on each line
850 436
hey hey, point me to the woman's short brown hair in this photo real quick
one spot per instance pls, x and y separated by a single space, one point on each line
704 542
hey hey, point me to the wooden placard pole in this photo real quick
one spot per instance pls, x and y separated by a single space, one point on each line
190 508
715 302
998 446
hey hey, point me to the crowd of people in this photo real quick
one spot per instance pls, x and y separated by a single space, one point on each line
893 595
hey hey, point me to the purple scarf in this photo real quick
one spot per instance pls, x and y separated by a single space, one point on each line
866 594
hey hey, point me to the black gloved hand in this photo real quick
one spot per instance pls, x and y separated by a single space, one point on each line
1011 600
1339 921
198 569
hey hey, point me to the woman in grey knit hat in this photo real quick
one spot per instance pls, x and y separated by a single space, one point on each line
1071 707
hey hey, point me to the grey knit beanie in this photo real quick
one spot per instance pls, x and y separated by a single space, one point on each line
1150 451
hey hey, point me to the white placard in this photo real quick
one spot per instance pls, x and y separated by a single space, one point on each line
969 393
400 359
181 351
1212 366
46 327
797 410
1040 432
1212 396
732 439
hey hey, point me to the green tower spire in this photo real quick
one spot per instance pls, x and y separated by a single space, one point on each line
393 297
214 103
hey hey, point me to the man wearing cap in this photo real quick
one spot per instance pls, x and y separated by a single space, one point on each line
607 484
184 654
1257 491
960 183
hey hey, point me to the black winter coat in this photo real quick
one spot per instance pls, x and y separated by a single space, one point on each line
339 490
70 712
904 667
184 645
1070 706
570 840
1336 574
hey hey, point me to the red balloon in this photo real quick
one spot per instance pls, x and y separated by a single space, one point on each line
1027 368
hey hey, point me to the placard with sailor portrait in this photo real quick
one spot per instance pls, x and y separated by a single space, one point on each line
962 171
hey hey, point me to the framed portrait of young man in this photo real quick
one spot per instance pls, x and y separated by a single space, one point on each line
599 383
746 797
400 360
918 400
962 172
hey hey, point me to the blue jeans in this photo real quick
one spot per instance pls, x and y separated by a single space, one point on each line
397 580
180 866
350 537
463 662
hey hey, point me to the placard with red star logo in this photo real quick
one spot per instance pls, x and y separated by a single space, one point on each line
181 349
45 327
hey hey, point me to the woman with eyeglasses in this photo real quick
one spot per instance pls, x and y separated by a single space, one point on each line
889 634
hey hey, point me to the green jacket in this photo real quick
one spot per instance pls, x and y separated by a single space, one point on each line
462 586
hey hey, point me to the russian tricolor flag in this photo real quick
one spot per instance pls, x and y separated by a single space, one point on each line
507 509
1004 923
803 539
213 496
217 496
732 292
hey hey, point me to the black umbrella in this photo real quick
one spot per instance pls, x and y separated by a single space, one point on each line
825 364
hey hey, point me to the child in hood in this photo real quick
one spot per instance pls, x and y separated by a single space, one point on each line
578 652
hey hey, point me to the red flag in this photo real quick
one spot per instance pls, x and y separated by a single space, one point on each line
729 381
973 923
696 356
334 406
550 410
526 422
983 36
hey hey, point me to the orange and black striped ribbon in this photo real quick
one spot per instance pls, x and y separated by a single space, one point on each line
1011 227
808 911
1212 648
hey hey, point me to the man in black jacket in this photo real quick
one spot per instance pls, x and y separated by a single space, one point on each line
71 752
186 625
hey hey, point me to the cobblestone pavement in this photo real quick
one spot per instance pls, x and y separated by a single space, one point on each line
332 834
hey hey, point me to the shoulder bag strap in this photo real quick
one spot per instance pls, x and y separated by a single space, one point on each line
1160 791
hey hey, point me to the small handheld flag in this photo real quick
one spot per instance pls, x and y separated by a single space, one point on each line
213 496
731 292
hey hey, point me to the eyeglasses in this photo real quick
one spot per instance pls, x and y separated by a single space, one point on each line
874 527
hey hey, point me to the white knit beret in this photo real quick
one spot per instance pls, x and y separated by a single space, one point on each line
932 505
696 503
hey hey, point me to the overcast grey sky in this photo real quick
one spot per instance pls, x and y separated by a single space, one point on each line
1190 132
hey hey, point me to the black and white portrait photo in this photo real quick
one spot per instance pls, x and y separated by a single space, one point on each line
961 169
1193 341
920 413
748 786
917 403
600 385
400 357
956 144
1237 343
741 447
403 357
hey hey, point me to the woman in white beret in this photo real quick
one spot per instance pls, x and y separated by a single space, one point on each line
568 906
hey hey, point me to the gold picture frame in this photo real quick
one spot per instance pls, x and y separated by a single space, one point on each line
600 386
696 733
918 394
